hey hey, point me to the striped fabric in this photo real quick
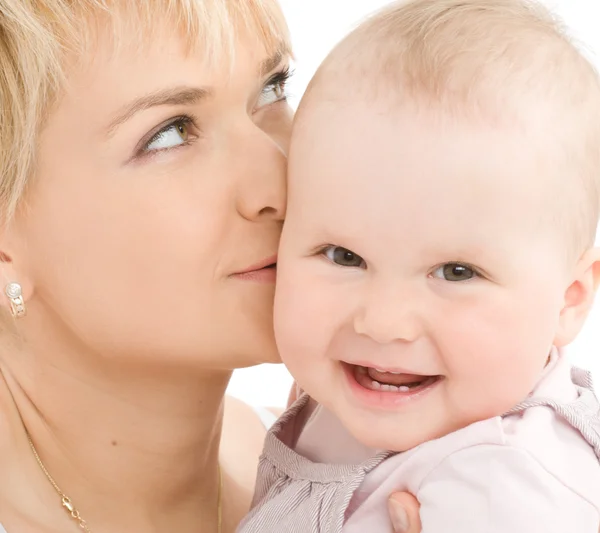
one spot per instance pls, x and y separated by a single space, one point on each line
583 414
294 495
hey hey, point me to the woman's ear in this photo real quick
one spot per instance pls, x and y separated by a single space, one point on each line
579 297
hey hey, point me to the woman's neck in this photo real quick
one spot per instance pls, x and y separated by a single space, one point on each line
136 449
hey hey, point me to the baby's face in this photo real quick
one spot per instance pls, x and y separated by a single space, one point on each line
421 249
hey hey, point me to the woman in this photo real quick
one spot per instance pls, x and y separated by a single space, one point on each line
142 159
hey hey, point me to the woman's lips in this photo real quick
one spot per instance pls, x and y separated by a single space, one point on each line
264 271
267 274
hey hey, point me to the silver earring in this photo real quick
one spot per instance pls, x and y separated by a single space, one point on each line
15 295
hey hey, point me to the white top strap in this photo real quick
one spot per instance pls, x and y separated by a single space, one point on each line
268 418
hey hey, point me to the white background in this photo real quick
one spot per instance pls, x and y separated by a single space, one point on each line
316 26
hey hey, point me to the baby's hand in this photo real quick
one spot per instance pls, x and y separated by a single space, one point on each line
404 513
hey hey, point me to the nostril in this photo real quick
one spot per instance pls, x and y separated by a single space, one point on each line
268 211
271 213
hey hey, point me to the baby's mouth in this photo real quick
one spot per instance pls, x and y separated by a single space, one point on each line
383 381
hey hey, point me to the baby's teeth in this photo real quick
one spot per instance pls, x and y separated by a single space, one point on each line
393 388
385 388
376 385
382 371
403 388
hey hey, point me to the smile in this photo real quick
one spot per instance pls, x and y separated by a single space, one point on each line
381 380
388 389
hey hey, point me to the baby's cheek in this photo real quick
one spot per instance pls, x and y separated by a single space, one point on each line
297 318
492 383
488 370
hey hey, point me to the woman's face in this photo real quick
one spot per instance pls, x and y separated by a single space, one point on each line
159 181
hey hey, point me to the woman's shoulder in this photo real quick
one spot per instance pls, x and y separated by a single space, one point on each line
244 430
251 421
241 445
239 416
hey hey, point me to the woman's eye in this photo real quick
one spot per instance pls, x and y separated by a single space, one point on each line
454 272
343 257
275 89
272 94
170 136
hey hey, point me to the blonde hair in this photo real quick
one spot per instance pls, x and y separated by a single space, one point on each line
491 59
39 38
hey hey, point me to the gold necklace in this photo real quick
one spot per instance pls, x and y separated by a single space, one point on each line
74 513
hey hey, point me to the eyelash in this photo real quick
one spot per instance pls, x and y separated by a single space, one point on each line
320 251
181 120
278 79
477 271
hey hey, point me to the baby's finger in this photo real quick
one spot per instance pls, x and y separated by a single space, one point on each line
404 513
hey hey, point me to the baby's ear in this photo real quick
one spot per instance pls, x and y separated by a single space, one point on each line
579 297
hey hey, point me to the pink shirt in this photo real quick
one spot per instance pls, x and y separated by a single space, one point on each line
536 470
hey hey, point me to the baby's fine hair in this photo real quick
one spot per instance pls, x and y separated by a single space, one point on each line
507 61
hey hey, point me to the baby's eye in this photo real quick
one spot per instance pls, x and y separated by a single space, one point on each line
343 257
454 272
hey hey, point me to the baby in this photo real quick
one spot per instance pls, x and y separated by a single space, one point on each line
436 258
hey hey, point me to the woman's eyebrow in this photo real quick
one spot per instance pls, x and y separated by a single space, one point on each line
272 62
172 96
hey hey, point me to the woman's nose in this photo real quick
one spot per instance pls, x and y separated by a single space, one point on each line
261 167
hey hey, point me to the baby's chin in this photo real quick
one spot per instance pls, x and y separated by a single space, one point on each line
391 440
399 432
